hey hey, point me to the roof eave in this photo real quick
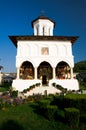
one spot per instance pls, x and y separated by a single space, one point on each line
72 39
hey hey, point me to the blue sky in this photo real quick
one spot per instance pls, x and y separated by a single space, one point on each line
16 17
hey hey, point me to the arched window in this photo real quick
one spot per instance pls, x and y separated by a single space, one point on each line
37 31
43 30
49 31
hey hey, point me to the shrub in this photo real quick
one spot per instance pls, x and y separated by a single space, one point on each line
50 97
50 111
60 115
59 101
42 104
72 116
59 87
14 94
76 100
54 84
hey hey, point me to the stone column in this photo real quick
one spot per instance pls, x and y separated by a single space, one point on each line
71 73
0 77
18 69
53 72
35 74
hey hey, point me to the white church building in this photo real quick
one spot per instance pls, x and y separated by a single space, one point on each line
44 58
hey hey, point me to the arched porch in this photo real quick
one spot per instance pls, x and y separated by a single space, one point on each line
44 72
63 71
26 70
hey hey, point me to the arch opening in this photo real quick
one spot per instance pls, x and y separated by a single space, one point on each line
63 70
26 70
45 72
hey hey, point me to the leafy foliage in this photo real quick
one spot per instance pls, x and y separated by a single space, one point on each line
80 66
50 111
72 116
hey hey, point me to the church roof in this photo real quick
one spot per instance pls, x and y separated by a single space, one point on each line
42 17
15 39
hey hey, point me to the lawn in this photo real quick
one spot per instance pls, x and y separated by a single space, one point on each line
24 117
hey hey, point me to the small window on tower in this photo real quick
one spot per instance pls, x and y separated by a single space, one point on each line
45 51
37 31
43 31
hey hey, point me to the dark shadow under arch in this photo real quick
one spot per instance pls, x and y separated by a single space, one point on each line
44 72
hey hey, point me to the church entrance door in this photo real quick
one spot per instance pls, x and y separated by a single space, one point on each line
45 72
44 80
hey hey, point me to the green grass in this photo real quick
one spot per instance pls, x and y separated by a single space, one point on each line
3 89
23 117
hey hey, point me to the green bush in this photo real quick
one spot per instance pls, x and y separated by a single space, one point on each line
59 101
71 100
76 100
42 104
59 87
14 93
50 111
49 97
72 116
60 115
54 84
83 117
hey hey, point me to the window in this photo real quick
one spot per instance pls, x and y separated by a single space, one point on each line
43 31
37 31
45 51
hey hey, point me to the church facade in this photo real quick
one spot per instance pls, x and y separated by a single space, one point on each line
44 58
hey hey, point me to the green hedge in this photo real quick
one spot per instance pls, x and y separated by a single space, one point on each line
14 93
72 116
71 100
42 104
59 87
50 111
60 115
46 109
59 101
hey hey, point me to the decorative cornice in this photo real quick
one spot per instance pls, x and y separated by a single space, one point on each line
15 39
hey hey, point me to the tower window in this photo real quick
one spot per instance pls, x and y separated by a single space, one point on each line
43 31
49 31
37 31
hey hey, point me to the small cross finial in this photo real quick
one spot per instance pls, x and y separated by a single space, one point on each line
43 12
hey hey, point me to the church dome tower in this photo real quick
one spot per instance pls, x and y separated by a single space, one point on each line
43 26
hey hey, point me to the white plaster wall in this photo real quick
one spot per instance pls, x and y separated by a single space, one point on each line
31 51
70 84
20 85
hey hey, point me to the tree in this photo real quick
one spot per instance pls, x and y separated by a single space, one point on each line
1 67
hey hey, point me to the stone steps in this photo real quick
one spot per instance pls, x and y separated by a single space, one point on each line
42 90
